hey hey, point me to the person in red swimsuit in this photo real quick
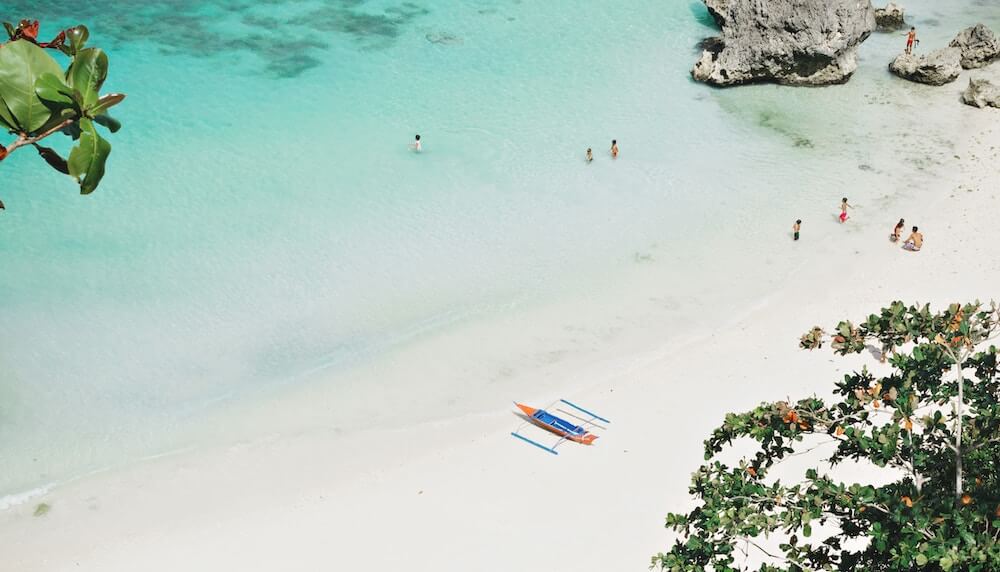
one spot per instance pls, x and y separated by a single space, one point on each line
911 38
843 209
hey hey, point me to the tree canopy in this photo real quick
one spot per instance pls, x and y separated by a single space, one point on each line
928 432
38 99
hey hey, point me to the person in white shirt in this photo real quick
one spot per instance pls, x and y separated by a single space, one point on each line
416 144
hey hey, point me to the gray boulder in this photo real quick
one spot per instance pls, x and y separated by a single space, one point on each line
981 93
936 68
889 18
978 44
792 42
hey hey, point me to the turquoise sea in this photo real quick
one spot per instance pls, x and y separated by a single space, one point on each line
264 226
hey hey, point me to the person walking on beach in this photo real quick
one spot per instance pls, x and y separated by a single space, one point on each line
897 231
795 229
911 38
914 242
417 147
843 209
590 155
614 148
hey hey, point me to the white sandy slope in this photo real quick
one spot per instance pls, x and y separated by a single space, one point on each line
463 495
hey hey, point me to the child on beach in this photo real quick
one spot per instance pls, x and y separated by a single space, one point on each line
843 209
614 148
590 155
795 229
897 231
911 38
416 145
914 242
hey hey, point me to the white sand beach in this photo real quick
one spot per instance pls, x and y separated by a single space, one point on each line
461 494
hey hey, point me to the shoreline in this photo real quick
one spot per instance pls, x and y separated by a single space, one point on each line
372 499
667 292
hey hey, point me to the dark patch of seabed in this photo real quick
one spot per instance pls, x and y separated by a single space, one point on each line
287 45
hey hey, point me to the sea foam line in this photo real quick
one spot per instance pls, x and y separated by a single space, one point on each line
16 499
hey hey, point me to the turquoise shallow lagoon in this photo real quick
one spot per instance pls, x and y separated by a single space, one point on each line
263 224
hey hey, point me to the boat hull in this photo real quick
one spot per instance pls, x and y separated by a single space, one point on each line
557 425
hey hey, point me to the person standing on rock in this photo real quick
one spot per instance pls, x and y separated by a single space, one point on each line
843 209
795 229
614 148
911 38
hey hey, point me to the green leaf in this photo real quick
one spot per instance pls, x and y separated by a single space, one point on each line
77 38
111 123
87 73
10 29
21 64
52 90
7 118
87 159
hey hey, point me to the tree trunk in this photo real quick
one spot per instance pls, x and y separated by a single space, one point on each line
958 431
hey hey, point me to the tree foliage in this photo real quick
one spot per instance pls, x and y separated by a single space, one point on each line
38 99
929 429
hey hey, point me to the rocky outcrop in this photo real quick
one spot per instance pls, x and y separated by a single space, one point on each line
979 46
889 18
717 8
792 42
981 93
936 68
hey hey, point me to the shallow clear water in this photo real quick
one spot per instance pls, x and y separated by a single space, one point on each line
263 219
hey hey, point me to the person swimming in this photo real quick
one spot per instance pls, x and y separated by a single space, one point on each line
416 146
590 154
897 231
614 148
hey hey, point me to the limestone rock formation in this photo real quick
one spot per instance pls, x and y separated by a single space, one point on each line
981 93
936 68
793 42
717 8
979 46
890 18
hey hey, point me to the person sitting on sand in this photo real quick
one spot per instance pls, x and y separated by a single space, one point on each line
590 155
897 231
795 229
914 242
843 209
911 38
614 148
416 144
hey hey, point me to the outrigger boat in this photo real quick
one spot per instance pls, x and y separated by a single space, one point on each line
566 430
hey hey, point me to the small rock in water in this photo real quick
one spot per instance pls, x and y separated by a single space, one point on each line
889 18
444 39
979 46
936 68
